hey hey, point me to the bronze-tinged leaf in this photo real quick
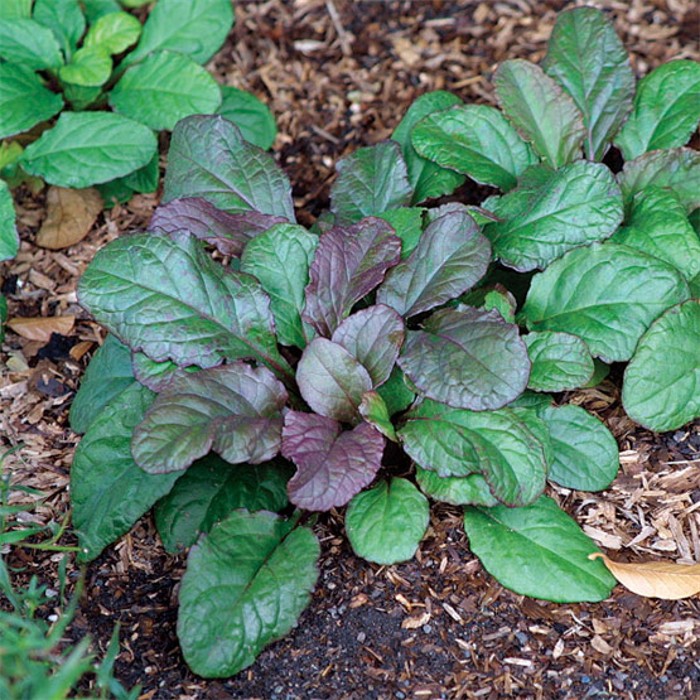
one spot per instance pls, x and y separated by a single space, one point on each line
655 579
41 328
71 214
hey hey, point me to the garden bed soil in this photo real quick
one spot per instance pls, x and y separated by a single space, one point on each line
339 75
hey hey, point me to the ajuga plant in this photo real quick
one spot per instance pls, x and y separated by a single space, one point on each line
115 83
257 373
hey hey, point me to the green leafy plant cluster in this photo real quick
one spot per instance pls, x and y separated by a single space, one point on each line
114 83
34 658
400 351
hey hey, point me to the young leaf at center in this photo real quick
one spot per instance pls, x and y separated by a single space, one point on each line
332 464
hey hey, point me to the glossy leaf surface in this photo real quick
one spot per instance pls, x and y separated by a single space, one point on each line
608 295
332 464
234 410
261 570
560 362
661 388
467 359
538 551
451 256
386 523
179 304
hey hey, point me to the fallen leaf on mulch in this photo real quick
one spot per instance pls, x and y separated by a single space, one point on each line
655 579
41 328
70 215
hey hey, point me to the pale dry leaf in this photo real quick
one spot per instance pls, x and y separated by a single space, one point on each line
70 215
41 328
655 579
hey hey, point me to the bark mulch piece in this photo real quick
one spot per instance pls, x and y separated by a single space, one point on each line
338 75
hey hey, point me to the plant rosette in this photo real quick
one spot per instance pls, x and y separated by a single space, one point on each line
98 86
241 393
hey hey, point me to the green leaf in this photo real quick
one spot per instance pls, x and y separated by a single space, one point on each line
676 169
472 489
586 57
109 492
661 388
9 238
196 28
370 181
164 88
499 445
408 224
81 97
113 33
250 115
208 158
29 44
107 375
475 140
666 110
94 9
64 18
234 410
156 375
90 67
167 297
584 452
538 551
607 294
211 489
17 9
427 179
560 362
386 523
467 358
258 568
658 225
115 191
331 380
280 258
450 257
373 410
544 115
83 149
553 212
396 395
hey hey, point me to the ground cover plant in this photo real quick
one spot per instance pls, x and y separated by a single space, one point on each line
114 83
384 342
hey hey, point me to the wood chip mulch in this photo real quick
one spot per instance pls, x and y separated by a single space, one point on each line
339 75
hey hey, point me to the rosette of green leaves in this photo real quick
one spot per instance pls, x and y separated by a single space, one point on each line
615 256
61 57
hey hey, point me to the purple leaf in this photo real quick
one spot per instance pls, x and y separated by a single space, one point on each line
451 257
331 380
350 262
234 410
374 336
332 465
467 358
228 233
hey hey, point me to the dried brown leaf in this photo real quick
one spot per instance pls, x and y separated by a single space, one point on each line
70 215
655 579
41 328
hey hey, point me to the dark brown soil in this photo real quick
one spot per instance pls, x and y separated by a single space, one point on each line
339 75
